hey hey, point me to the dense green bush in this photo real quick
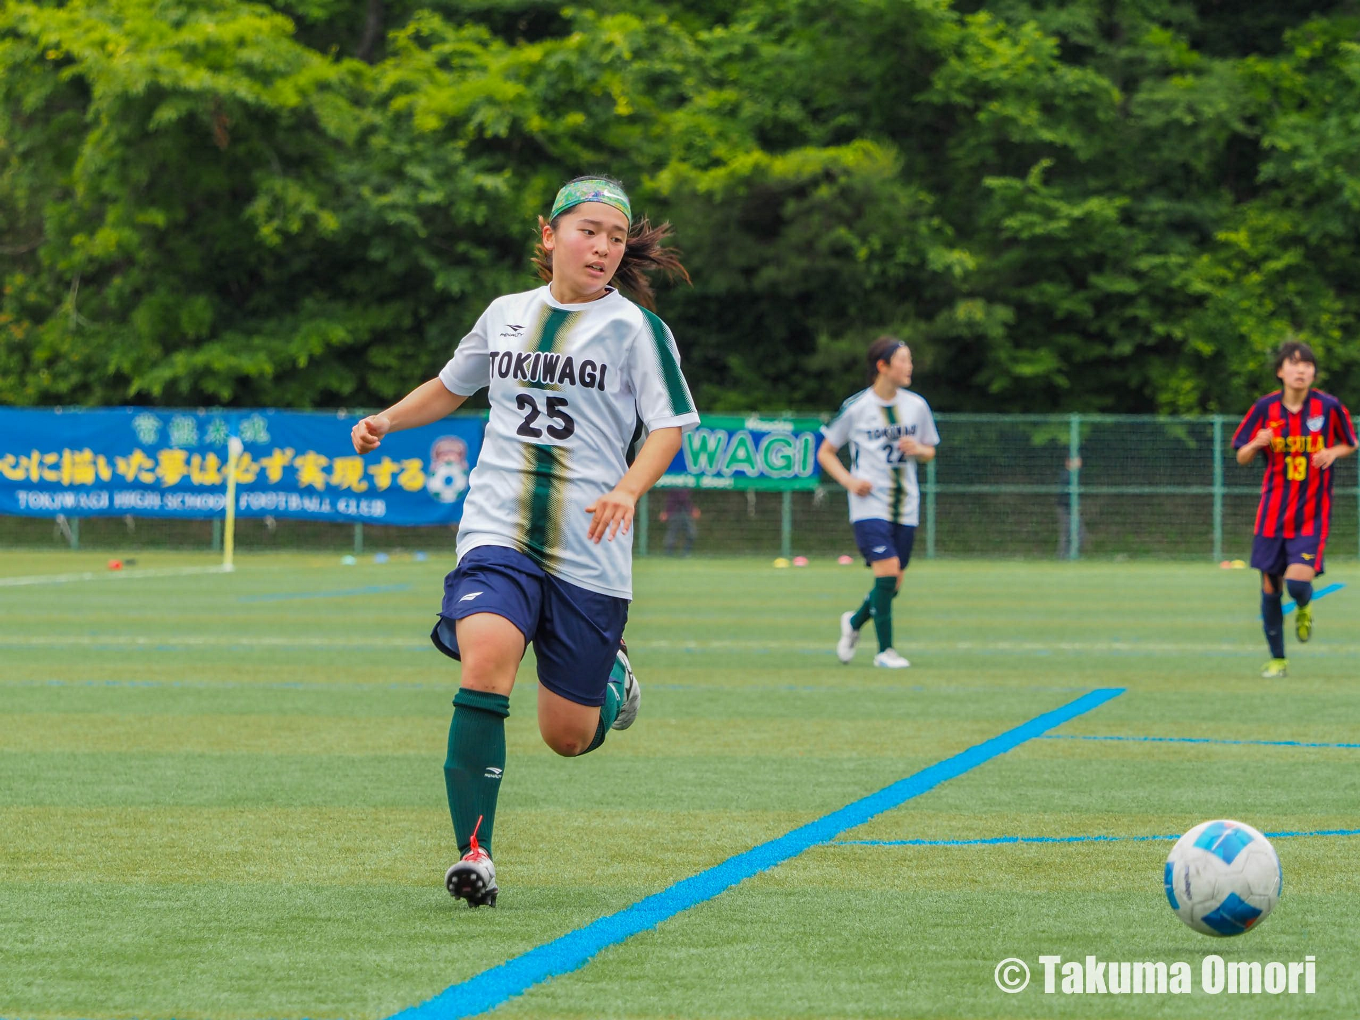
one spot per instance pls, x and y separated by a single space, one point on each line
307 203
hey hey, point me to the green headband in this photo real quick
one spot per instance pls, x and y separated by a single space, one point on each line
591 189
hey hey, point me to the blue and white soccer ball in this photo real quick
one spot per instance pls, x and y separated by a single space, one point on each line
1223 878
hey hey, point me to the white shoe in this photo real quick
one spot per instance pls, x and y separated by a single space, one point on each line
845 647
632 693
889 659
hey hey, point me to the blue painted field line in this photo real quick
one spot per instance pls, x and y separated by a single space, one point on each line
373 589
1288 607
491 988
1198 740
998 840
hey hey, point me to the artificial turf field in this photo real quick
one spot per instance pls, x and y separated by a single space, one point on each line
221 796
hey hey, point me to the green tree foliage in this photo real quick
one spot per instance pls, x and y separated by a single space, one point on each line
1062 205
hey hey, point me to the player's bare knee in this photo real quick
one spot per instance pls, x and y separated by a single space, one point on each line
486 673
568 745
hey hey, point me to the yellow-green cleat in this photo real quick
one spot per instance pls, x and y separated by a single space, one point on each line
1275 669
1303 623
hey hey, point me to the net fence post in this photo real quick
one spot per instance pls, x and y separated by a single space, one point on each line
1218 488
217 535
1074 488
930 509
358 539
75 533
786 523
641 518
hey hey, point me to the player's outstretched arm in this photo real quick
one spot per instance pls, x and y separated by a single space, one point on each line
428 402
614 510
831 464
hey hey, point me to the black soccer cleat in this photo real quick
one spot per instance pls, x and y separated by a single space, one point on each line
474 877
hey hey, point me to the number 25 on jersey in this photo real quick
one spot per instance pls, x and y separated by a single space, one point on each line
560 424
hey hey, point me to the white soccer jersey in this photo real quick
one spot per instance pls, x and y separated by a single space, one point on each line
872 427
568 386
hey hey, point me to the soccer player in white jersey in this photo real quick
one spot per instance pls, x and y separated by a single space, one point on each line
544 551
890 430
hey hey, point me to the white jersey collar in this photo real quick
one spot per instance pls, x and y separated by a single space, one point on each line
613 295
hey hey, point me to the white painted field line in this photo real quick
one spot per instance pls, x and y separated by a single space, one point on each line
110 575
204 640
415 640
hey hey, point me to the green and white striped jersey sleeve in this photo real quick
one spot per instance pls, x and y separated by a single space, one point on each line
839 428
663 397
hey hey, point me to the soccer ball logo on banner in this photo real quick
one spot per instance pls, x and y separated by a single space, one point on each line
447 478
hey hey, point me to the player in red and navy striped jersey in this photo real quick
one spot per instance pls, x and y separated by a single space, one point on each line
1302 432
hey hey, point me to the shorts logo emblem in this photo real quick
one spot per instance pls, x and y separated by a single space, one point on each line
880 548
470 596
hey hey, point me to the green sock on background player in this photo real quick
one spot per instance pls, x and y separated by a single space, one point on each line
475 762
881 597
865 611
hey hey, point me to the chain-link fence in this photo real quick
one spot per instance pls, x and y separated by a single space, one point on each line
1033 486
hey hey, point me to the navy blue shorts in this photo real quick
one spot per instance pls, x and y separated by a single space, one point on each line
1274 555
882 540
575 632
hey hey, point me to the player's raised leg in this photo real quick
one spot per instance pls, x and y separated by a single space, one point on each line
572 729
631 691
1298 580
586 683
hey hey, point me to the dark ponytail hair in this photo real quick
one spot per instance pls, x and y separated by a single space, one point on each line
882 349
643 253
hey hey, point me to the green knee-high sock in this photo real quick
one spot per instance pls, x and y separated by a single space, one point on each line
882 596
865 611
472 770
613 701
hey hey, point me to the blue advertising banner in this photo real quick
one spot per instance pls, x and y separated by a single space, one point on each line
164 463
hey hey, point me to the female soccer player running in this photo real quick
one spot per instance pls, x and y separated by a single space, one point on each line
574 369
1303 433
890 430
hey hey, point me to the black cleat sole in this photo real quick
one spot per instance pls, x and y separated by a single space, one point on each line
468 885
